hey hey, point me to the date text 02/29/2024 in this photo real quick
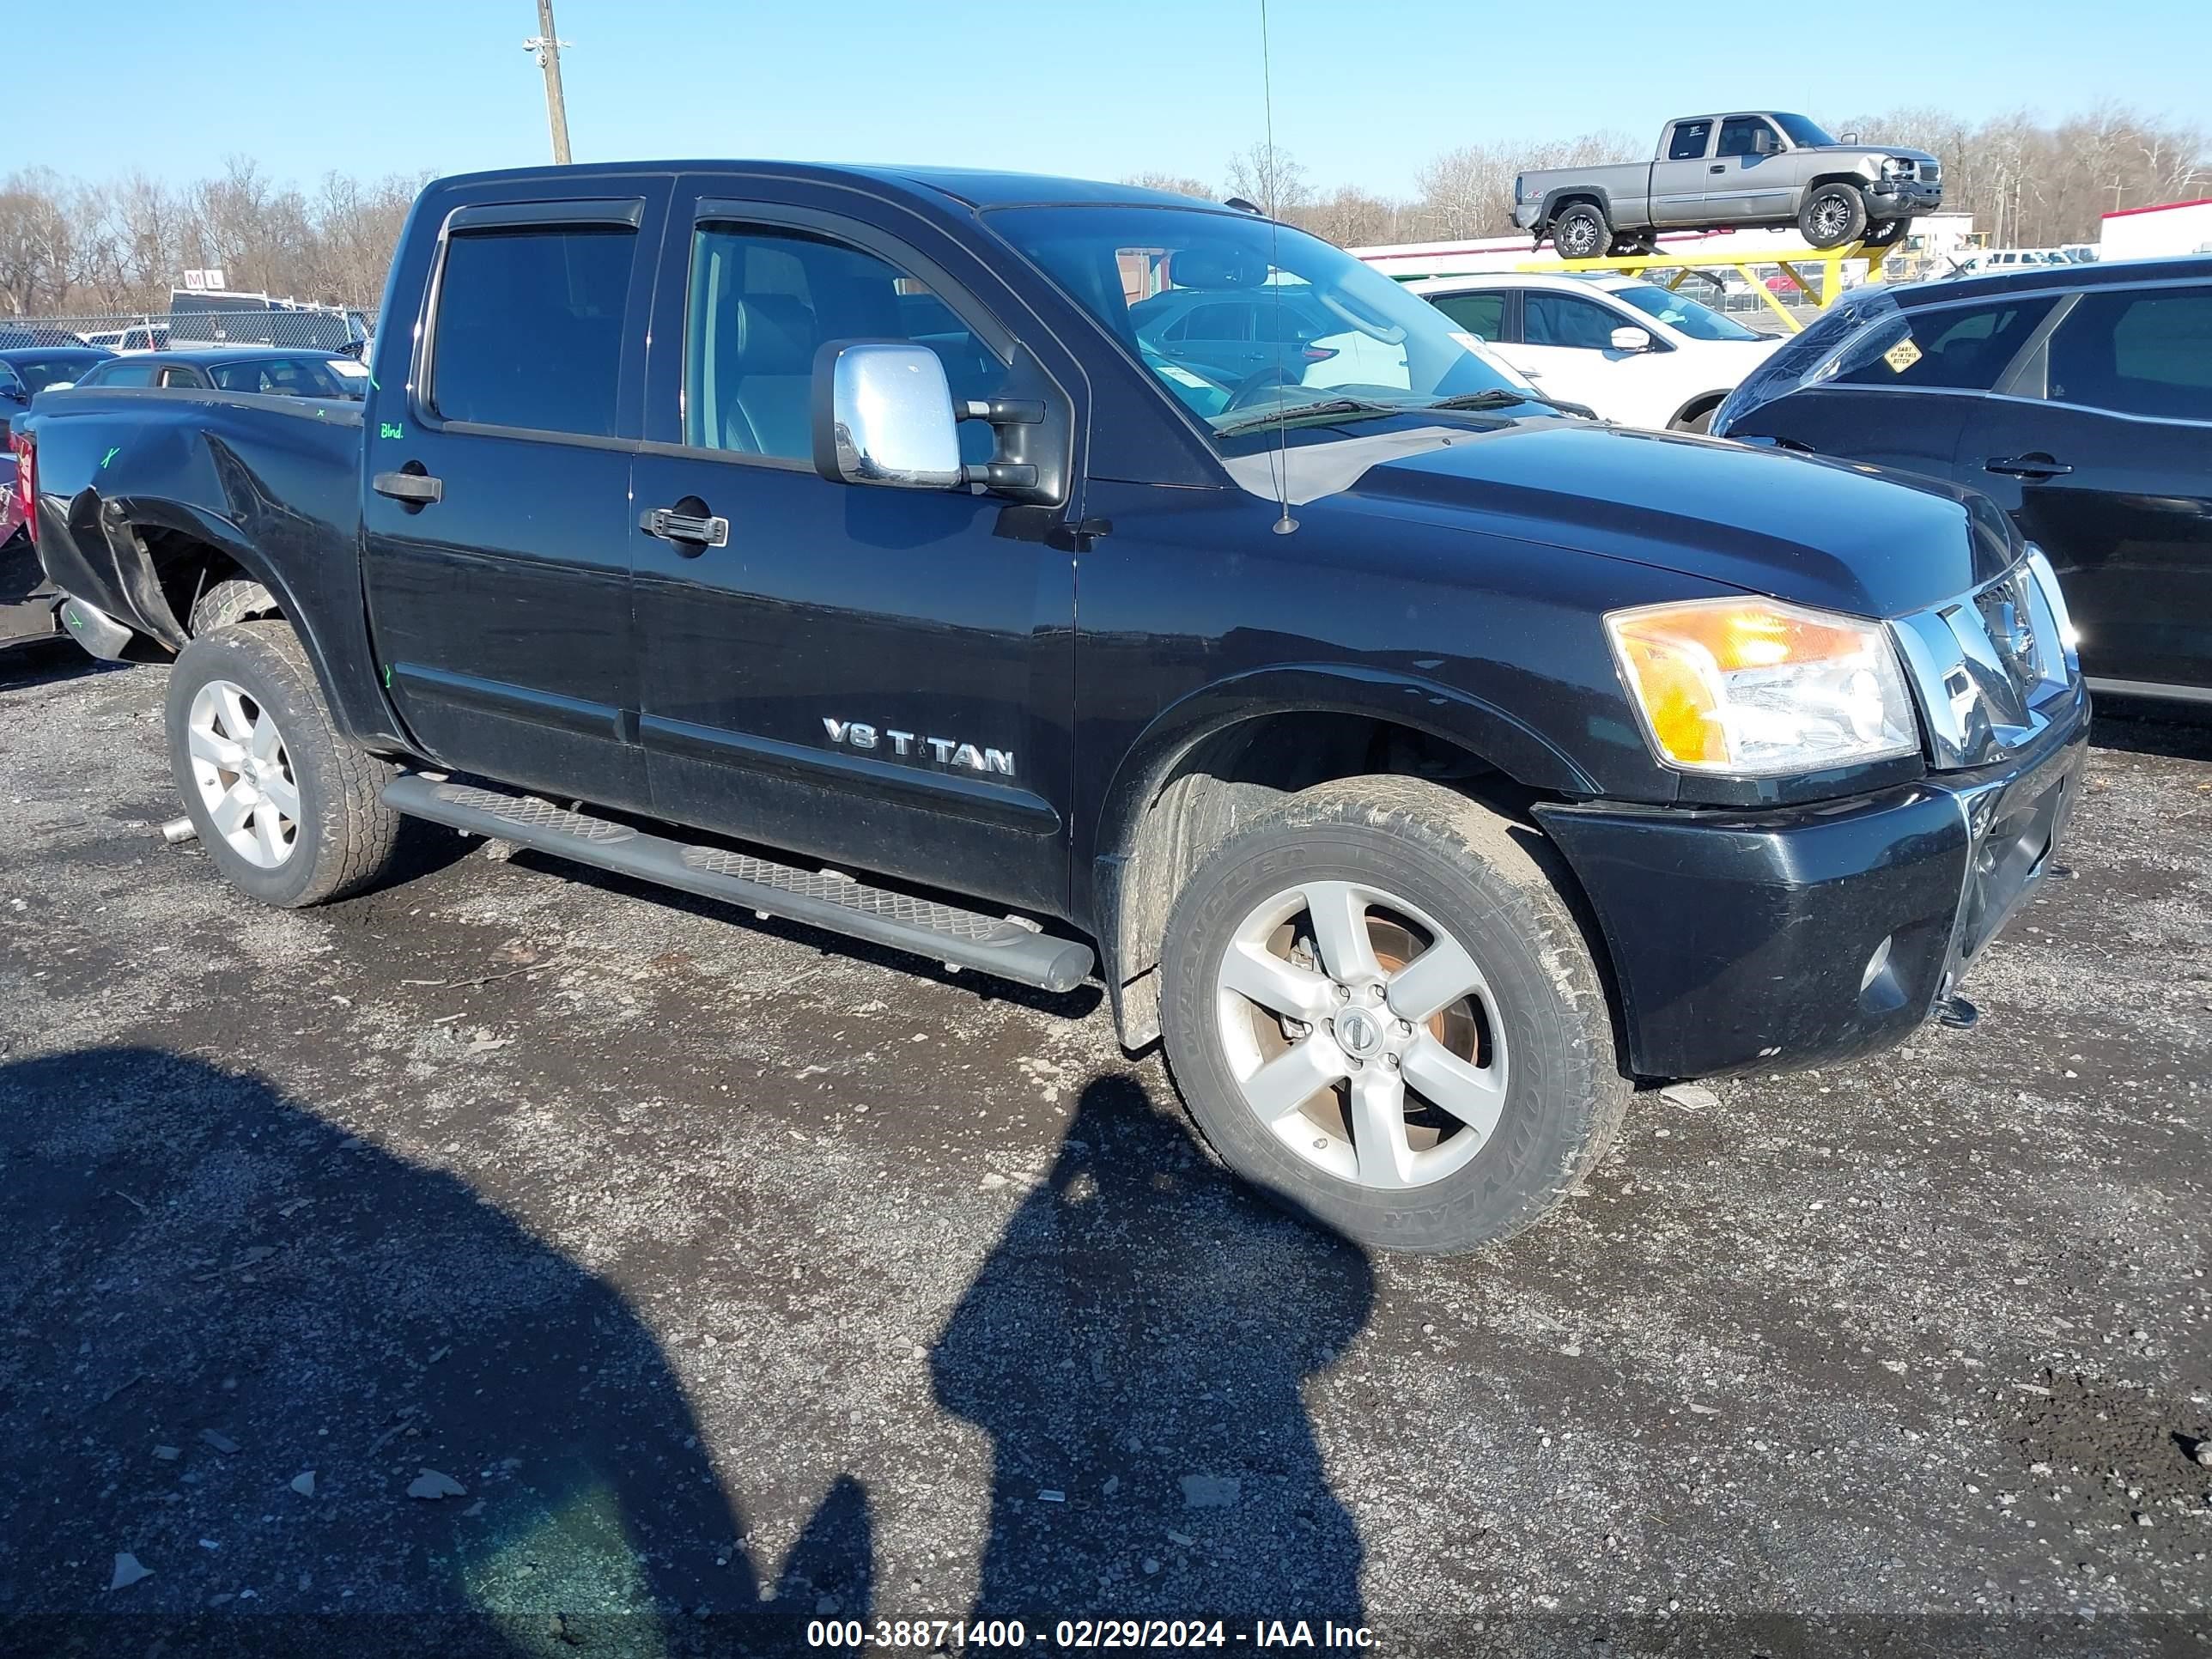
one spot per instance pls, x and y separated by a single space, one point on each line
938 1634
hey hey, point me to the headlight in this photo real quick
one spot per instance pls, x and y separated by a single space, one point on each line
1894 168
1754 688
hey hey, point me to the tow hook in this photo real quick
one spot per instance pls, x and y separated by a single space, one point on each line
1958 1013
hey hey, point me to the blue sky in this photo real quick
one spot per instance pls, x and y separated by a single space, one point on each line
1365 90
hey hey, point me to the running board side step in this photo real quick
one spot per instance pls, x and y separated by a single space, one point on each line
959 939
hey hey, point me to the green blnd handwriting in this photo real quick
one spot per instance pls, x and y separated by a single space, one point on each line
387 676
385 430
108 457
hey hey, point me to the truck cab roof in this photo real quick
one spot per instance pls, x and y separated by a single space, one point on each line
972 187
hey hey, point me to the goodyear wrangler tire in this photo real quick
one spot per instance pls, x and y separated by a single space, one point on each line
1381 1011
291 813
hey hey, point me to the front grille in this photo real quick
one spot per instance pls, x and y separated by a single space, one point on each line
1931 173
1992 667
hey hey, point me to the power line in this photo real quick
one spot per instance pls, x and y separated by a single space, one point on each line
547 44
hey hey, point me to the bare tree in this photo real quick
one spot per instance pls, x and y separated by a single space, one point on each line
35 241
1266 176
1175 184
1351 218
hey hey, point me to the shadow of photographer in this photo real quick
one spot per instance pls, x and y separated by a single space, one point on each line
240 1337
1136 1348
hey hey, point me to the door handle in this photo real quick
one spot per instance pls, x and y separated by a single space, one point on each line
2027 466
696 529
1718 167
409 484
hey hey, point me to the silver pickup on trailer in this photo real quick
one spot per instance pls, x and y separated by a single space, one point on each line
1728 172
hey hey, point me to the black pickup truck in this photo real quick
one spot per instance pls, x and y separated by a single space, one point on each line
1425 764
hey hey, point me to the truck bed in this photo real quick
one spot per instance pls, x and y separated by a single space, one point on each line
270 483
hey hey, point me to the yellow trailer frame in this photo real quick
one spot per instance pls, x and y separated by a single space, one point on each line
1830 260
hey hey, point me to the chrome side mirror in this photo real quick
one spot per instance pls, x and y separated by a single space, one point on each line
883 414
1627 337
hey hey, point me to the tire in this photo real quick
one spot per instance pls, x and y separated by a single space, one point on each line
341 835
1580 231
228 602
1832 216
1424 869
1886 232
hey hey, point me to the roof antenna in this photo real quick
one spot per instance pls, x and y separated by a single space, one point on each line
1285 523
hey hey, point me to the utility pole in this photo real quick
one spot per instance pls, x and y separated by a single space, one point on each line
547 44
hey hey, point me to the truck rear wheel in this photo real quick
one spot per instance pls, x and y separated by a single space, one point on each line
1381 1011
1580 231
1832 216
290 812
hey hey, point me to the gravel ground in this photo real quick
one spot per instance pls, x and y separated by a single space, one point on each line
718 1272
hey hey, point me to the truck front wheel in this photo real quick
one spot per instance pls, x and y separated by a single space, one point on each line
1832 216
290 812
1381 1011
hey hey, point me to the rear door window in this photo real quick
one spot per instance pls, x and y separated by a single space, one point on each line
528 327
1689 141
1952 347
1480 314
2147 352
114 373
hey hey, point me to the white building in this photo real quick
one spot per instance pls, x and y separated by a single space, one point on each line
2154 233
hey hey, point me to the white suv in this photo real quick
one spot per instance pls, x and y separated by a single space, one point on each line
1631 349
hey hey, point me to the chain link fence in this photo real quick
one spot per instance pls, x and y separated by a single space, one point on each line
195 323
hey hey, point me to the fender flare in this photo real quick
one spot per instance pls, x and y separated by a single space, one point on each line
1597 193
1716 396
1316 688
121 518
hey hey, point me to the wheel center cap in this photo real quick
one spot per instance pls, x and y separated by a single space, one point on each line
1358 1033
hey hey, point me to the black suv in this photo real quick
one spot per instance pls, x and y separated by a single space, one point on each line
2078 396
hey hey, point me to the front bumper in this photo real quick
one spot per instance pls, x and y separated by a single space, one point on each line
1778 939
1902 198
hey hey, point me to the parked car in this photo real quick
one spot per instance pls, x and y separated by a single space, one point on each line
1389 713
1992 262
273 370
218 316
27 600
1726 172
138 336
2078 396
1629 349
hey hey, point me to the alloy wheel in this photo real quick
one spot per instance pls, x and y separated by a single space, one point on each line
1362 1035
244 774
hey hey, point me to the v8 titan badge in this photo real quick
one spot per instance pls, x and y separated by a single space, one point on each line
1902 356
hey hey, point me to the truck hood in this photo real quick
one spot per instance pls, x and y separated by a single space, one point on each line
1828 533
1898 150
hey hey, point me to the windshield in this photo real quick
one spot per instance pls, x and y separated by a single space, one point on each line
1241 320
1684 316
1803 133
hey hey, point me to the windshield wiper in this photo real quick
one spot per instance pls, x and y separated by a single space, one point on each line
1504 397
1302 411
